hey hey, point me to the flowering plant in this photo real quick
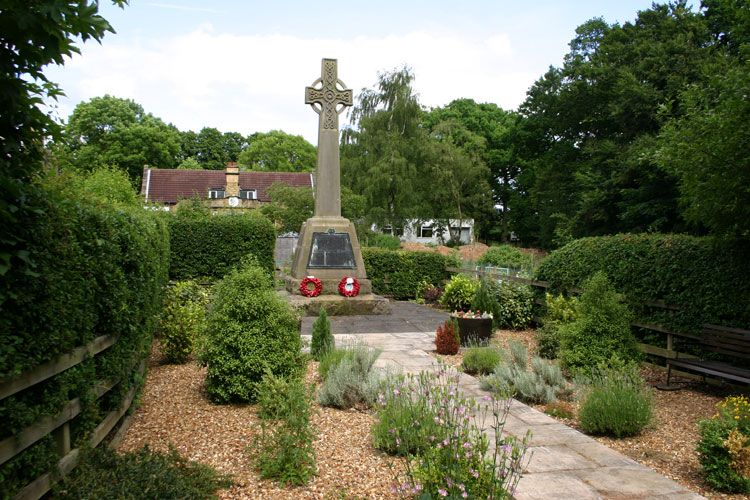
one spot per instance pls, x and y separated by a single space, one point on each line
472 314
440 438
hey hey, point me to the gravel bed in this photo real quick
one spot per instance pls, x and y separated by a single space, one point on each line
175 408
668 446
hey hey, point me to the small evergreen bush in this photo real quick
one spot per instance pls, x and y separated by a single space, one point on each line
515 305
250 328
147 474
447 340
459 293
183 320
480 360
483 300
561 310
724 446
615 403
602 329
352 380
322 338
283 449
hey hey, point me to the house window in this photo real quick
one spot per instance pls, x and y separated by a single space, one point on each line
216 193
425 232
248 194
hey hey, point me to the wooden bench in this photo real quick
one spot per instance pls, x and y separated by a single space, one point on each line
722 340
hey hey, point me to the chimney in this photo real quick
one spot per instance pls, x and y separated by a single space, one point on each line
232 180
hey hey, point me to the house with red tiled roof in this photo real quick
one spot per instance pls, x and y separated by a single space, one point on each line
225 189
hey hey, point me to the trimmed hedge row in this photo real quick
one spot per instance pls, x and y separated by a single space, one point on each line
397 273
99 268
706 278
210 247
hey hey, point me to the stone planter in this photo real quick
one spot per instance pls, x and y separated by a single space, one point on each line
474 330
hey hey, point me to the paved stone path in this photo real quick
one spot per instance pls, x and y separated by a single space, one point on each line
566 465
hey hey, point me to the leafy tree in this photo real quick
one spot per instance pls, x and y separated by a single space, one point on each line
289 206
595 119
211 153
32 35
278 151
457 167
189 163
497 151
708 148
382 159
118 132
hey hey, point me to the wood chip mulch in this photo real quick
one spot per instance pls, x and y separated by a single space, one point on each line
175 408
668 446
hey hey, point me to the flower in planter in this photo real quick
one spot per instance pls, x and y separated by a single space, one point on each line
472 314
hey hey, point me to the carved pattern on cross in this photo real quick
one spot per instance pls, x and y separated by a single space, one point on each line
327 99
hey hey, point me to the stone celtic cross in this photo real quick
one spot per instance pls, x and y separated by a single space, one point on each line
328 101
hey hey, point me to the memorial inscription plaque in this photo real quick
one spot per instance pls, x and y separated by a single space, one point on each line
331 250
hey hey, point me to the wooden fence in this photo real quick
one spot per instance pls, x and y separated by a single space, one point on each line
661 352
59 425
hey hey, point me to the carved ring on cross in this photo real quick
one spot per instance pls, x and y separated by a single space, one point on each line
329 96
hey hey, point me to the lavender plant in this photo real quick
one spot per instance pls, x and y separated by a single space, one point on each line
440 437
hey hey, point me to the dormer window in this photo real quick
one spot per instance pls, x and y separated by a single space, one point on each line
215 193
248 194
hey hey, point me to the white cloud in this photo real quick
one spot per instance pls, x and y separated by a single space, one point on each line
249 83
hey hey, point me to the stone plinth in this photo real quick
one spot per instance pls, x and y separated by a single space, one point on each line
302 266
337 305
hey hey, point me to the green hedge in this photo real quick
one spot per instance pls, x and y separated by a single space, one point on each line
707 279
210 247
397 273
99 268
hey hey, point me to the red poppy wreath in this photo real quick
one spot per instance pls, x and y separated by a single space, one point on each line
305 283
348 286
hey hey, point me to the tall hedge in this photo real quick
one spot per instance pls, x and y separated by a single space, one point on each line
397 273
210 247
99 268
706 278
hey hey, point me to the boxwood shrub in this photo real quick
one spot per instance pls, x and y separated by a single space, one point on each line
706 278
99 267
211 246
397 273
251 329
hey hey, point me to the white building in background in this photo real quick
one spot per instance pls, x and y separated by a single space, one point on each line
427 232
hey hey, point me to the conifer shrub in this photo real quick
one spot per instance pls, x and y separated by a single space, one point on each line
615 403
250 328
322 338
601 329
447 340
484 300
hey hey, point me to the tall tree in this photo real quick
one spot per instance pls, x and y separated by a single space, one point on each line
596 119
382 158
118 132
278 151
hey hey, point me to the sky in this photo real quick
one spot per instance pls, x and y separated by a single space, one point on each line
242 66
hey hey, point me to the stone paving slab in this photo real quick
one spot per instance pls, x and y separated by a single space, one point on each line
566 464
